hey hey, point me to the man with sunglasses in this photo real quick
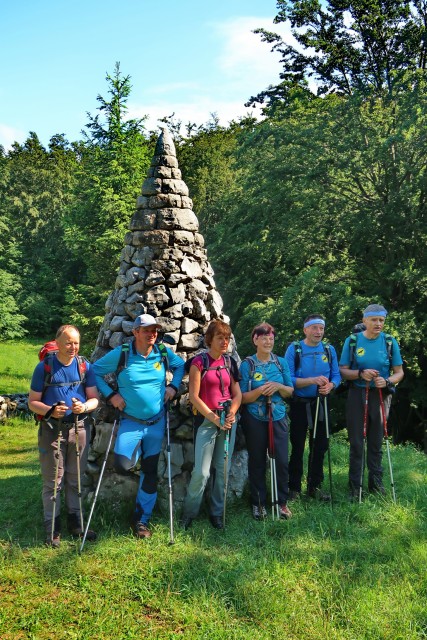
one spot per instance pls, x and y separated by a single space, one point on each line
314 373
141 398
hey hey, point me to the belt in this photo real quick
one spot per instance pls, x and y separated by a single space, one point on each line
145 422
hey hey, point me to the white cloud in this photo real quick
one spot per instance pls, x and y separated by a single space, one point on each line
245 56
244 66
9 135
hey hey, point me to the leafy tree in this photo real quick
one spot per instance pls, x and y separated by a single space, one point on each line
348 45
34 194
114 157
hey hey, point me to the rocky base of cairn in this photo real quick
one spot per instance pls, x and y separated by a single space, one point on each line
117 489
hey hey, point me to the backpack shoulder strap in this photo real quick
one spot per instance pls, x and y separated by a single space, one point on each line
205 363
251 363
277 362
164 355
124 357
82 367
389 344
47 368
353 345
328 352
298 354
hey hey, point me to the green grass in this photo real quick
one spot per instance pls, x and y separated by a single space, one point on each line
17 362
357 572
18 359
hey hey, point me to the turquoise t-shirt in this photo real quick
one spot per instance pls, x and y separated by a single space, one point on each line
265 372
142 382
371 353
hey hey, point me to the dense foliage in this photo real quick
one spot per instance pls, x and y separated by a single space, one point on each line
320 206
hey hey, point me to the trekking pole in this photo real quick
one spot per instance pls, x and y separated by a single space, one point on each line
55 488
98 485
365 426
79 480
225 407
272 457
168 449
380 393
325 408
313 441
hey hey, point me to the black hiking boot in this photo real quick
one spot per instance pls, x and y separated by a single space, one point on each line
317 494
353 492
76 530
375 485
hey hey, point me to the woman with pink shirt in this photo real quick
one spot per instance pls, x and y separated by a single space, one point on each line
209 388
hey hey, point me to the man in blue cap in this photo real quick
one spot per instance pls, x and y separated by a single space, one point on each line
372 360
141 398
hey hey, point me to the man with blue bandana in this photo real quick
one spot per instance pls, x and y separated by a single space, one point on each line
141 397
314 372
369 361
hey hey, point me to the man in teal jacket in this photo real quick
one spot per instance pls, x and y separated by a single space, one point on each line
141 397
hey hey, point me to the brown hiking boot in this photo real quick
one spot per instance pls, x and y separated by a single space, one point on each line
285 512
142 531
53 542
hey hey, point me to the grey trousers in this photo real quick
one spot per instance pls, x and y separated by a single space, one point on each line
67 468
208 451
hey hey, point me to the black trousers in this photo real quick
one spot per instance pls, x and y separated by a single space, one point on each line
256 435
355 411
302 415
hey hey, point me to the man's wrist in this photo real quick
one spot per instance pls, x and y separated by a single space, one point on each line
360 373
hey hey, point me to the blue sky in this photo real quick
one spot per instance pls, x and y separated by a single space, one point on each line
184 56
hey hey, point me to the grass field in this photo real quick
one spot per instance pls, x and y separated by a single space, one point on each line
357 572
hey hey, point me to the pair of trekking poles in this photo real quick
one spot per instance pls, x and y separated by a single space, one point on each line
275 507
168 449
365 431
57 456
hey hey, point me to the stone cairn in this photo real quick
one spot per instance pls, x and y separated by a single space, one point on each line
164 271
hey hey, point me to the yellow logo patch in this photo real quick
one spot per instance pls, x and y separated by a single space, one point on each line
324 358
258 377
157 366
360 351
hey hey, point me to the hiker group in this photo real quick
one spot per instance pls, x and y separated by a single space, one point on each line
65 391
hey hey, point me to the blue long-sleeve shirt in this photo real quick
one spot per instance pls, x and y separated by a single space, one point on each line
142 382
313 361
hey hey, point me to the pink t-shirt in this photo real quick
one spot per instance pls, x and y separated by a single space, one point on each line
210 387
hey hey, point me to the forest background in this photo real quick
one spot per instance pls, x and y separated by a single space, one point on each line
321 206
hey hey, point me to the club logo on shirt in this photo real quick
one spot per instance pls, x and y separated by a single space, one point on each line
258 377
360 351
324 358
157 365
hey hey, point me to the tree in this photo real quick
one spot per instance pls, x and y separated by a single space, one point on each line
348 45
114 157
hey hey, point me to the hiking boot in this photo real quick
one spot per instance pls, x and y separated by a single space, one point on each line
377 487
76 530
294 495
259 513
55 541
216 522
353 493
186 522
142 531
318 494
285 512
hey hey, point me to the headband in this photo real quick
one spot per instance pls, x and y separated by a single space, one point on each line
369 314
314 321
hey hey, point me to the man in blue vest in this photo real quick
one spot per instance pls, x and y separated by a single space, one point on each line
141 398
314 373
